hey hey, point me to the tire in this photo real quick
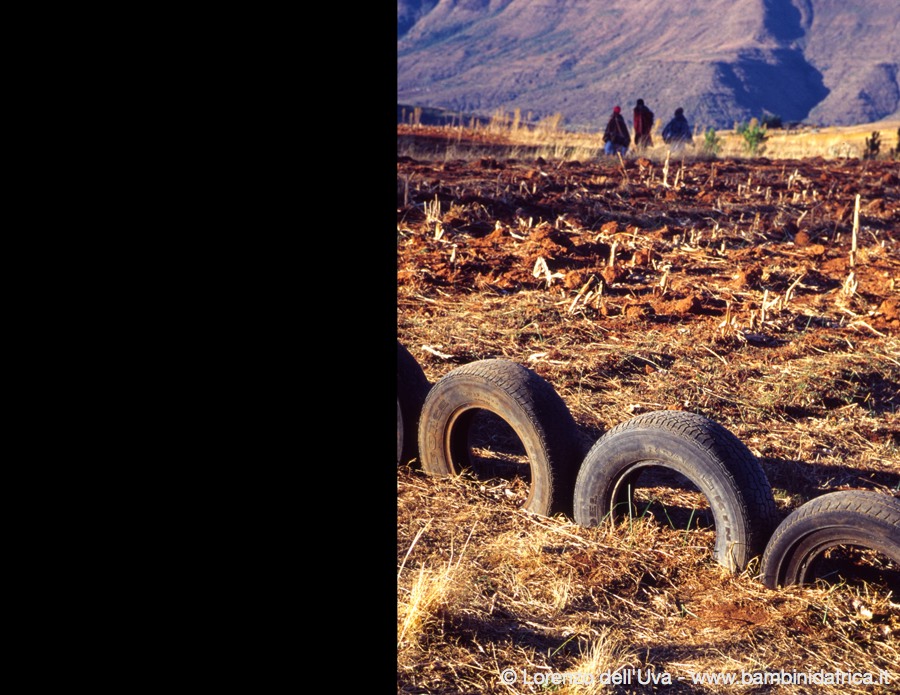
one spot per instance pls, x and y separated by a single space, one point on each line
527 404
861 518
722 468
412 388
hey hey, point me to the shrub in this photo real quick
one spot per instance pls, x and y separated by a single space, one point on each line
711 142
754 136
873 146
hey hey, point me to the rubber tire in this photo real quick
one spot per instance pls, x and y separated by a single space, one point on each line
862 518
524 401
704 452
412 388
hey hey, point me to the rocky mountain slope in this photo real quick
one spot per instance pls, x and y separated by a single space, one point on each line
824 62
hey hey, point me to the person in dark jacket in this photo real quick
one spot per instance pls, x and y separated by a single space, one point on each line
616 135
643 124
677 132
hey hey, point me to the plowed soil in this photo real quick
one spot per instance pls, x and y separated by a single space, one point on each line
717 235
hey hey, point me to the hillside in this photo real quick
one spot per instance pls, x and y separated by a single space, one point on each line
817 61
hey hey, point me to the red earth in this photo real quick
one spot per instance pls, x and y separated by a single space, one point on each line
700 241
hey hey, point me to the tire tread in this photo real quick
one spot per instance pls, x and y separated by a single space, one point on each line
860 509
549 418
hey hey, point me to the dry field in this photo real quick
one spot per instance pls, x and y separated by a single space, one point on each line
504 135
761 293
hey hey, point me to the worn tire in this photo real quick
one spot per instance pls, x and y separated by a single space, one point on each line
412 388
524 401
862 518
703 451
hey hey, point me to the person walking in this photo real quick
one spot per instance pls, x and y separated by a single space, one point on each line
643 124
677 132
616 135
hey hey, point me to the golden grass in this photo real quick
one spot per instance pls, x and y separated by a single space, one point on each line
830 143
546 139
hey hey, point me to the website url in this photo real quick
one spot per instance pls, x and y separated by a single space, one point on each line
792 678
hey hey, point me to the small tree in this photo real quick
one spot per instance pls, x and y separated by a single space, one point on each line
711 142
754 136
897 148
873 146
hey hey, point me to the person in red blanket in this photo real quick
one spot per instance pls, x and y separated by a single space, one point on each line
643 124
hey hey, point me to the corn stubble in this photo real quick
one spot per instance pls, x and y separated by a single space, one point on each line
761 298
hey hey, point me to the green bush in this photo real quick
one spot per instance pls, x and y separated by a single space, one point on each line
711 142
754 136
873 146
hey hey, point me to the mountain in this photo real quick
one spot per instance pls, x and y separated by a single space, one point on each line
821 62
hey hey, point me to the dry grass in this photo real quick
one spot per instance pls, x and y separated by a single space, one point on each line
550 142
543 596
712 307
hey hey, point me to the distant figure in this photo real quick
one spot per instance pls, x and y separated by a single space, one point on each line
616 135
677 132
643 123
